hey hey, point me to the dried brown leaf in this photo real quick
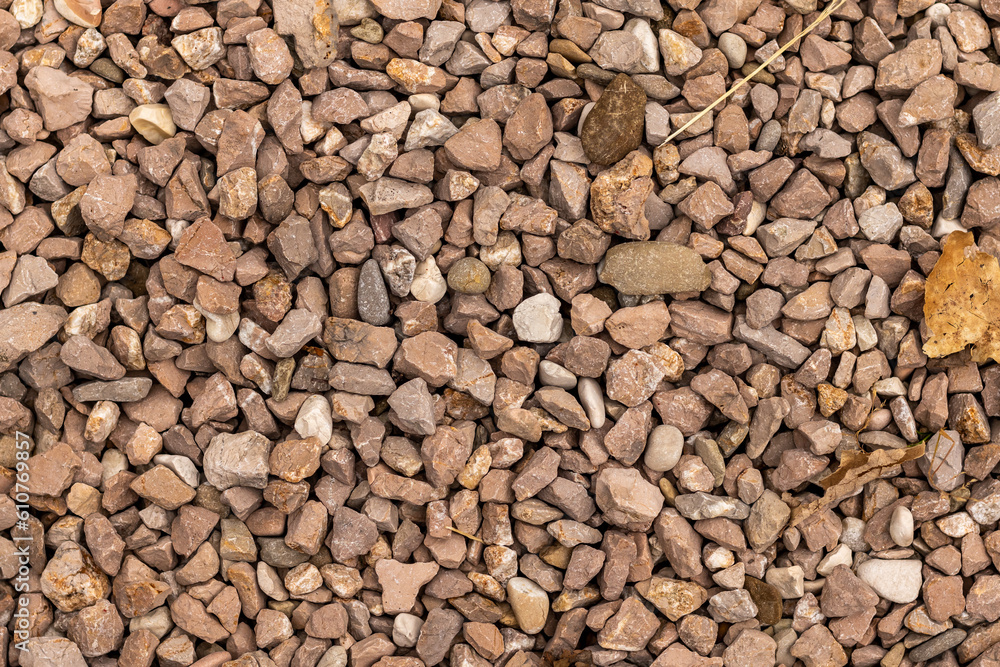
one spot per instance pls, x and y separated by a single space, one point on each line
857 468
962 301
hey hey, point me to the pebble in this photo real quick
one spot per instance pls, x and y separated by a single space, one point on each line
894 580
429 285
373 297
663 448
901 526
276 278
529 603
654 267
469 276
554 375
614 126
314 419
592 400
734 48
537 319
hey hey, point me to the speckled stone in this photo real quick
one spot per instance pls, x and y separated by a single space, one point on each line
613 128
654 267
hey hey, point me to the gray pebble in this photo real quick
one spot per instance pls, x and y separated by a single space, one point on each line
373 298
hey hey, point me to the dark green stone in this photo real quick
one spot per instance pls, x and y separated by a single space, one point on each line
613 128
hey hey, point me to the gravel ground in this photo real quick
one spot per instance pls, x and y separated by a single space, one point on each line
395 333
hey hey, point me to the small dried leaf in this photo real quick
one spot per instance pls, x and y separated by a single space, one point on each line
857 468
962 301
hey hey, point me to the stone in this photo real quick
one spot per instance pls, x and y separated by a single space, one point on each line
618 197
614 126
401 583
894 580
654 267
529 603
626 499
537 319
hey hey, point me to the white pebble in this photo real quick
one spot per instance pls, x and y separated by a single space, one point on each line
734 48
537 319
428 284
755 217
422 101
592 401
788 580
841 555
554 375
717 558
406 630
938 14
895 580
853 534
181 465
663 448
157 621
113 461
901 526
27 12
218 328
890 387
335 657
943 226
429 128
153 121
315 419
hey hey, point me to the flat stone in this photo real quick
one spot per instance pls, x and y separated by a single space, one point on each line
654 267
614 126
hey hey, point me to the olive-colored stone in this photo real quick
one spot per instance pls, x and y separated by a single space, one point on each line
767 598
469 276
613 128
654 267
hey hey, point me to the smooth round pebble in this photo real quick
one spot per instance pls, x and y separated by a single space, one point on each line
373 297
530 604
422 101
469 276
663 448
769 136
592 400
554 375
734 48
901 526
937 13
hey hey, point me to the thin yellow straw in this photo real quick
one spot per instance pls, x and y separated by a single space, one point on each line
822 17
471 537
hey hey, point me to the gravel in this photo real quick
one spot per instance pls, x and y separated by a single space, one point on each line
395 333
